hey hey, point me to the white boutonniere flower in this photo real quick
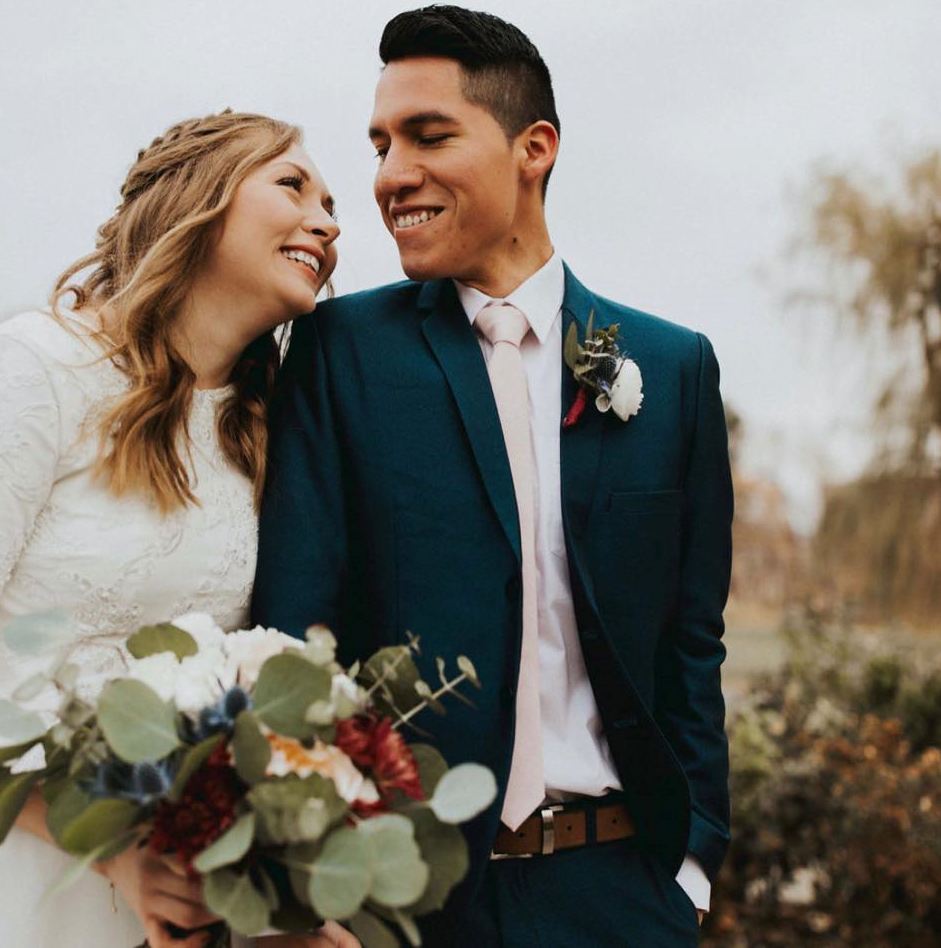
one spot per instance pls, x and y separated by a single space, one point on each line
601 368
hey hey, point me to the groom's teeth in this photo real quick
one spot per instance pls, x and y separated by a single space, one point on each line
410 220
303 257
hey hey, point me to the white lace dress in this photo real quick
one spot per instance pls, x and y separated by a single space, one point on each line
113 564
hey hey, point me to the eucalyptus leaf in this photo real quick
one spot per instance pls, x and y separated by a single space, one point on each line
136 723
17 725
444 848
463 792
401 696
252 750
467 666
31 687
268 888
101 822
233 896
13 751
293 809
287 685
194 757
408 926
399 875
229 847
423 690
38 632
372 932
431 766
572 348
163 637
66 675
65 807
340 876
14 792
590 329
320 713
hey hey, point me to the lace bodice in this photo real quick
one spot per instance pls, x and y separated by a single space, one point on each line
67 543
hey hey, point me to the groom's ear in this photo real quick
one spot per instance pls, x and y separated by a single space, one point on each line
538 147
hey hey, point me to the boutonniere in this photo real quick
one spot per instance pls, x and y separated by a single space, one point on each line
601 368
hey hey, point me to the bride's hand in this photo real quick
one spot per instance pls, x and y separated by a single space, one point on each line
331 935
158 891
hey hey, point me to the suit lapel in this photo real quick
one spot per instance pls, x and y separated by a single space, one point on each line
455 347
580 450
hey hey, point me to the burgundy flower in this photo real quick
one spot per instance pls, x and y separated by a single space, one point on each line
578 406
204 812
372 743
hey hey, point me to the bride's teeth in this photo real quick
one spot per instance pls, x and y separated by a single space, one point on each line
303 257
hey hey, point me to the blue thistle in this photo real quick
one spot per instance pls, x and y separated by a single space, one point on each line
221 716
143 783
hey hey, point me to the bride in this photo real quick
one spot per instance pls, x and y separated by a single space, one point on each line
132 457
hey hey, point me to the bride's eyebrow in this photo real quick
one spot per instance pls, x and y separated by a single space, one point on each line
298 168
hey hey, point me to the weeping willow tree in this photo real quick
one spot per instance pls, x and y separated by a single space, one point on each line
877 538
882 240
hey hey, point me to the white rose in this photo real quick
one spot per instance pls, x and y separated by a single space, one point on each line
626 392
201 680
248 649
348 779
202 627
158 672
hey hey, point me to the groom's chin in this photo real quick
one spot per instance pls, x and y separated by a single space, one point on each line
421 270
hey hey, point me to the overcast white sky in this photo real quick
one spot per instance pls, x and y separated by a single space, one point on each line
686 128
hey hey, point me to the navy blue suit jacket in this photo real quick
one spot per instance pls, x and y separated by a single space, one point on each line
390 507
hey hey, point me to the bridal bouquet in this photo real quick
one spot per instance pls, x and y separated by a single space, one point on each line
271 772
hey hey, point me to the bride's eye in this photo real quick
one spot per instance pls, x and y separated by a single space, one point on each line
295 181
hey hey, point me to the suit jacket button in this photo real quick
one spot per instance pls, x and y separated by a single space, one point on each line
508 695
622 724
512 589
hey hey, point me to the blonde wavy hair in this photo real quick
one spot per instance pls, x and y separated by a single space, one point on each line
144 263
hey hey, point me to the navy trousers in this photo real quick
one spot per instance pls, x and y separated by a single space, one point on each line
609 895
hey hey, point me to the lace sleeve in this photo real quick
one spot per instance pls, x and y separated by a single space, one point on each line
29 446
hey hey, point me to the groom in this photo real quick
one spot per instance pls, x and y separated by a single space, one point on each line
421 479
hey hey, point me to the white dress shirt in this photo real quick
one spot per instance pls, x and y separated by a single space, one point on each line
577 758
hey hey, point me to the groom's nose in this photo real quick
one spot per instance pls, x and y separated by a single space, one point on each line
396 174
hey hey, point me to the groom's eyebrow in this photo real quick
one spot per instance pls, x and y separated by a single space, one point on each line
430 117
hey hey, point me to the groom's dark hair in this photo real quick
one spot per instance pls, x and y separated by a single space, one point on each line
501 70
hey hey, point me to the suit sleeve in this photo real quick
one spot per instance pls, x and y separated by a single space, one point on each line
691 708
302 541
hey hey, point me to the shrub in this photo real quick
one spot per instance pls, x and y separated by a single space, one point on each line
836 794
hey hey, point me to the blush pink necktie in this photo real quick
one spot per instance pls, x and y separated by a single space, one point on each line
505 326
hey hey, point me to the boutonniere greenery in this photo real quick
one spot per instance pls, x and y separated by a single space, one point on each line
601 369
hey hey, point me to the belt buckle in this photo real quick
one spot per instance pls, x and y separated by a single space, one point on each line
547 817
547 813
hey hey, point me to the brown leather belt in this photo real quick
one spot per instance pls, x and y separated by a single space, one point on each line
563 826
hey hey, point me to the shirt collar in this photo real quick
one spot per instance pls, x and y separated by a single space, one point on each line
539 297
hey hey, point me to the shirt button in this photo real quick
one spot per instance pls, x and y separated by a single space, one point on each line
512 589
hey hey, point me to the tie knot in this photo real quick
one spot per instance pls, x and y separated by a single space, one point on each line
502 322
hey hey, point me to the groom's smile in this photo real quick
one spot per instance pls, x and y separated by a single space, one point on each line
447 184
